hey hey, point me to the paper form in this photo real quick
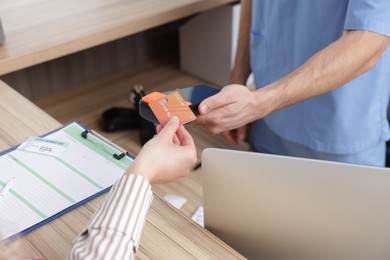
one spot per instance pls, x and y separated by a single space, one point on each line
46 185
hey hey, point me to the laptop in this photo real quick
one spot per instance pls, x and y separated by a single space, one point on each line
278 207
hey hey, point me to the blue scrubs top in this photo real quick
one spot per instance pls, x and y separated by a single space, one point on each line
285 33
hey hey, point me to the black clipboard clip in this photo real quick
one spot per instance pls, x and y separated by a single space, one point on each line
106 141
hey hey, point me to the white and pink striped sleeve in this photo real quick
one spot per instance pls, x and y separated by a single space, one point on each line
114 231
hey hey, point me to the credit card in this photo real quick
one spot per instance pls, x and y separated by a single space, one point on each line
171 105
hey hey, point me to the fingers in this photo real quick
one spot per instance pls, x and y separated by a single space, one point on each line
158 129
176 140
231 137
170 128
235 136
188 145
241 133
185 137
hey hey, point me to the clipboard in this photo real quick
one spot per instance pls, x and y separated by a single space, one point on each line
46 187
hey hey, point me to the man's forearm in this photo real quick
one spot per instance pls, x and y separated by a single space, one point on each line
350 56
241 69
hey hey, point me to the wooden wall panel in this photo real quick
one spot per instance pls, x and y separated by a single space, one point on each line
52 76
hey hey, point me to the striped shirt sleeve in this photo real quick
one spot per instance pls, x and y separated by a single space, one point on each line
114 231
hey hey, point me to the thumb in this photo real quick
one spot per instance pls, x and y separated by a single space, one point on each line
215 101
207 105
170 128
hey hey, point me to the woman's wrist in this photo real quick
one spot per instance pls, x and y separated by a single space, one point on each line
138 170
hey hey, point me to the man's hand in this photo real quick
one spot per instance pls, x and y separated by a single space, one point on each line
234 106
166 157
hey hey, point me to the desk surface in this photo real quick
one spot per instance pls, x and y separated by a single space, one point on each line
168 234
40 30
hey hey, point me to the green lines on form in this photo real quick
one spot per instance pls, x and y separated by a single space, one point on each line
51 185
25 202
80 173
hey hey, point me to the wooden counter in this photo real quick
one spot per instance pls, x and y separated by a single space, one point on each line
168 234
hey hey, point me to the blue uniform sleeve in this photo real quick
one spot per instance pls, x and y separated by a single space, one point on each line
369 15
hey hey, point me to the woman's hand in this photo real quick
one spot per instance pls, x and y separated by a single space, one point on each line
168 156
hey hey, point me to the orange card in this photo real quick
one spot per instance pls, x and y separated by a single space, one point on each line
172 105
152 96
